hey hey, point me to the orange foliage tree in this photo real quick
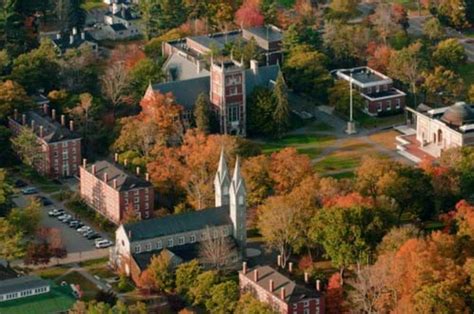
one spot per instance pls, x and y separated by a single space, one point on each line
249 14
334 295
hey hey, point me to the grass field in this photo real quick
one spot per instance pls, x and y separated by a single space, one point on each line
89 288
93 4
51 272
312 145
386 139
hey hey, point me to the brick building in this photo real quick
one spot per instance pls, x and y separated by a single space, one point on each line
60 145
180 235
381 98
284 295
111 191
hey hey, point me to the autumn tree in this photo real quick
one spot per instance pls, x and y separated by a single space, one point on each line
433 29
27 147
114 83
217 252
450 53
281 115
249 14
259 185
344 6
443 86
384 22
200 291
11 241
161 270
223 297
379 57
249 305
12 96
186 276
460 161
306 71
396 237
202 112
143 72
471 93
26 220
335 295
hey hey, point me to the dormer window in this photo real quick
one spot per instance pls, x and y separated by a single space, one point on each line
241 200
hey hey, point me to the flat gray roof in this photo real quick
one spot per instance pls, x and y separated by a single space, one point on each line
21 283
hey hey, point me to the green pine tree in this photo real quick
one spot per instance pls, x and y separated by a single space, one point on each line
202 113
281 115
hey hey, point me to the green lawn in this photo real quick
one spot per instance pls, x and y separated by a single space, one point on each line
343 175
93 4
51 272
334 163
88 287
312 145
59 299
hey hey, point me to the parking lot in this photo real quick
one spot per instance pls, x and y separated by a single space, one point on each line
73 240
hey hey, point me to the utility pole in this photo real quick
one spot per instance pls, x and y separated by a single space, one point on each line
351 128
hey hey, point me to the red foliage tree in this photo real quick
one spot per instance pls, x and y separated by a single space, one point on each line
379 56
334 295
249 14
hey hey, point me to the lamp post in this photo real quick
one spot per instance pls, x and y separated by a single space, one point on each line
351 128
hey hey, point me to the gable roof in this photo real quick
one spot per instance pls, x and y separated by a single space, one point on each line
178 254
125 180
174 224
21 283
262 78
64 42
293 292
53 131
185 92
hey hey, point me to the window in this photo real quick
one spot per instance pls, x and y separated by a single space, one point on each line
377 89
65 155
233 91
241 200
306 303
73 149
137 206
295 306
147 205
148 247
64 144
233 112
55 153
369 90
180 240
135 192
192 238
147 214
137 249
379 106
306 311
126 201
147 197
136 200
397 106
389 105
170 242
385 87
159 245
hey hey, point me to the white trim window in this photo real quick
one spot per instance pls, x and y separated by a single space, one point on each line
181 241
148 247
137 249
389 105
379 106
170 242
192 238
397 106
159 245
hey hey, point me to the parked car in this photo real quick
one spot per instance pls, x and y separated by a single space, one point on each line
87 232
98 240
56 212
20 183
103 244
64 217
75 224
67 219
83 229
44 200
29 190
93 235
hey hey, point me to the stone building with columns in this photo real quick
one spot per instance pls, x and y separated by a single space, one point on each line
111 190
59 145
284 295
180 235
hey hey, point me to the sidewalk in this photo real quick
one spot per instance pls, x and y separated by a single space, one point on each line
70 259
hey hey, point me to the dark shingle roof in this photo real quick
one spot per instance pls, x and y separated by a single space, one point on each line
125 180
64 42
117 27
21 283
263 77
7 273
181 253
124 14
294 292
53 131
185 92
174 224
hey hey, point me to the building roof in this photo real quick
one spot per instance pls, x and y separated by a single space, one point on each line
458 114
181 68
217 40
125 180
187 91
21 283
53 131
363 76
293 292
117 27
269 33
6 273
64 42
40 99
174 224
125 13
178 254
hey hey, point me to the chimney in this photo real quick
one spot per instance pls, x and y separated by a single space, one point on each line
306 277
45 109
63 120
58 36
71 39
279 260
93 169
147 176
244 268
41 133
271 286
23 119
318 285
53 114
254 66
15 114
83 35
106 177
290 267
114 183
255 275
74 31
71 125
282 293
116 157
137 170
84 163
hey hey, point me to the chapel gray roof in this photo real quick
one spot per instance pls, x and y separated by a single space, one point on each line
174 224
217 40
263 77
125 180
187 91
21 283
53 131
178 254
293 291
181 68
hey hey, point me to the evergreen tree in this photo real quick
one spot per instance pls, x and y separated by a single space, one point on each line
202 113
76 15
282 111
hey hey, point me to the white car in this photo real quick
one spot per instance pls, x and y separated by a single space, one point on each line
65 217
56 212
103 244
99 240
83 229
